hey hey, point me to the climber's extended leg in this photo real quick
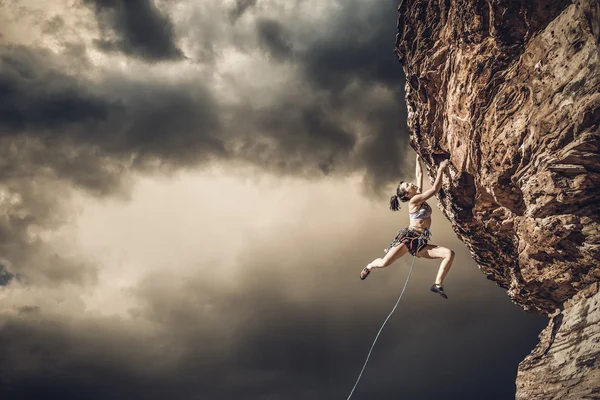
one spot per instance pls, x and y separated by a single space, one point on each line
432 251
392 255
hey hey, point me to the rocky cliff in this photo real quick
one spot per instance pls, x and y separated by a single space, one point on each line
509 91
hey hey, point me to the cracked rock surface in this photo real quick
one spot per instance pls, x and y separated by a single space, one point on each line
509 91
568 355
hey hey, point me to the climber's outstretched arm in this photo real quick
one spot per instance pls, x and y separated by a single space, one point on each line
419 174
437 185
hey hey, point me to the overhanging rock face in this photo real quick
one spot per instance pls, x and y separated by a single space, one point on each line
564 365
509 91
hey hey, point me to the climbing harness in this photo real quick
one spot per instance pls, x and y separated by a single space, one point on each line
386 320
408 236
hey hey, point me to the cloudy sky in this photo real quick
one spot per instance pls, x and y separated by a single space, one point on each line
188 192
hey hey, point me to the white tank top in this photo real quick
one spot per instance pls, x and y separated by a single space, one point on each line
423 213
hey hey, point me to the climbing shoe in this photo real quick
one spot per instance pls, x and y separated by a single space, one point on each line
364 273
439 289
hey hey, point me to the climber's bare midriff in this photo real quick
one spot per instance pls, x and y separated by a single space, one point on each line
420 225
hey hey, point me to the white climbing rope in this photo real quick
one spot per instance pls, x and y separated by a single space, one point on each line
384 322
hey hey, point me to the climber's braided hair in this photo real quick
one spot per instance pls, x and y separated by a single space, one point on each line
401 195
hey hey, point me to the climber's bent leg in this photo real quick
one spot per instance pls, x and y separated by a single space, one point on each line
392 255
432 251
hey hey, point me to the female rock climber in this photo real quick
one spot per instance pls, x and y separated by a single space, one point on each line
414 238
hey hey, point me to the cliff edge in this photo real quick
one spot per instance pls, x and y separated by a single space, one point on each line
509 91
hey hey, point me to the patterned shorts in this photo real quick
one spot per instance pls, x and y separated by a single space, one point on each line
413 239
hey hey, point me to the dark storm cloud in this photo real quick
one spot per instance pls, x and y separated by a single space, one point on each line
5 276
121 118
140 28
241 6
311 130
36 98
358 50
294 137
307 138
273 38
43 354
357 46
353 57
